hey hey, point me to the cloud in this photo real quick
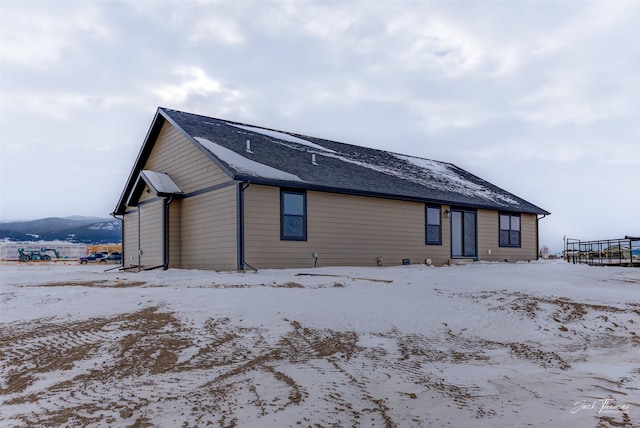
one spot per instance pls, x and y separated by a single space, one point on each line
193 81
563 103
39 39
196 91
214 28
528 94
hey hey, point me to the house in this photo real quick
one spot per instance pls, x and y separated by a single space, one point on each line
207 193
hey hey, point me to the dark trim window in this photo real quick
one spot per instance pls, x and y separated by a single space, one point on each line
510 230
433 230
293 215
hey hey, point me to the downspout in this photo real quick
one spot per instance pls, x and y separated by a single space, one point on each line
538 235
165 250
139 237
113 214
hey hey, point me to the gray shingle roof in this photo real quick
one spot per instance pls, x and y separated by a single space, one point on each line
285 159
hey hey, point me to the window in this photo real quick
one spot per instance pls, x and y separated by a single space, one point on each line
293 215
434 225
509 230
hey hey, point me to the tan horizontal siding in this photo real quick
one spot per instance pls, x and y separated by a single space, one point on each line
202 229
187 165
174 233
152 234
343 230
489 238
130 236
147 194
209 233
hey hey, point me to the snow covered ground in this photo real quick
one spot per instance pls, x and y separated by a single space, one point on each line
482 345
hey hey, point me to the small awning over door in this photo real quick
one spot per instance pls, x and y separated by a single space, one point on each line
159 182
147 231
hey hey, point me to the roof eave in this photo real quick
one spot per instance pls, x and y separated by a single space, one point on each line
355 192
159 119
143 155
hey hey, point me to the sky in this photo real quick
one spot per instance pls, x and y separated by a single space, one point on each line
540 98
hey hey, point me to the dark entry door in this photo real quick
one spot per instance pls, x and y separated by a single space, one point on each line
463 234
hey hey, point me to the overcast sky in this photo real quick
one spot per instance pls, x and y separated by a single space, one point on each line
539 98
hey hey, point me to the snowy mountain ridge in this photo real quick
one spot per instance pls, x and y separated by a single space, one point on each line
87 230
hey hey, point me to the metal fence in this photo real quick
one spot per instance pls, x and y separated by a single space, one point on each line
607 252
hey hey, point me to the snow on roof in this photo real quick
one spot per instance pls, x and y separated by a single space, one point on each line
244 165
443 176
282 136
425 172
285 157
432 174
160 181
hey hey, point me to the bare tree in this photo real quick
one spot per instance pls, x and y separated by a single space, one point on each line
544 252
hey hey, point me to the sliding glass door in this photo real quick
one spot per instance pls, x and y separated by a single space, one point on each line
463 234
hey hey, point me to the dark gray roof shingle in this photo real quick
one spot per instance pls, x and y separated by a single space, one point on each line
346 168
343 168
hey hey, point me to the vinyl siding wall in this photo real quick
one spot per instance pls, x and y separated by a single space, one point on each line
202 228
151 234
130 236
189 167
147 195
489 235
174 233
209 232
343 230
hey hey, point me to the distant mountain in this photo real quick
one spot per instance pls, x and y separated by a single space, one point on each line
85 219
50 224
86 230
